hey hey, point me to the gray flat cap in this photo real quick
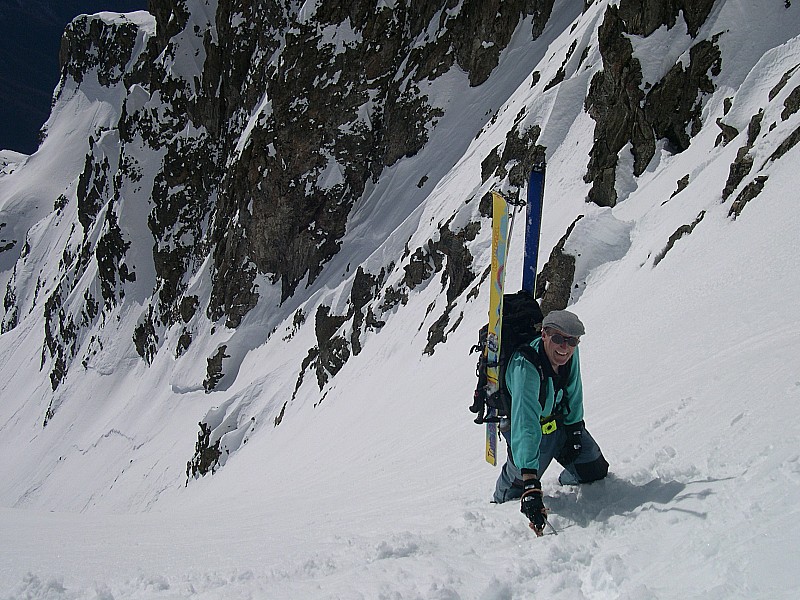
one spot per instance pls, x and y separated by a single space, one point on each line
565 322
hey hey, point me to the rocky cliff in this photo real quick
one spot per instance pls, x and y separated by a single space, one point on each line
266 172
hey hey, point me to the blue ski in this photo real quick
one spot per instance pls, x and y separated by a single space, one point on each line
533 227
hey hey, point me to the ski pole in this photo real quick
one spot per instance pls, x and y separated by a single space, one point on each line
550 525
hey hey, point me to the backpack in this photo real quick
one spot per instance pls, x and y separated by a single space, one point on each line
522 318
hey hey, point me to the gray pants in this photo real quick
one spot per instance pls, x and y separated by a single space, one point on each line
589 466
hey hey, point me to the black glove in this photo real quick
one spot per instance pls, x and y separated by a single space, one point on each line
532 506
572 445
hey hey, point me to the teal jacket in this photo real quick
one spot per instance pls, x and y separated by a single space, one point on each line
564 390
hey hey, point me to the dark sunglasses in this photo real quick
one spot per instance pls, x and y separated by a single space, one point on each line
559 339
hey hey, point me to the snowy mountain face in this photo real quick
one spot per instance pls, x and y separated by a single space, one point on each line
242 148
272 220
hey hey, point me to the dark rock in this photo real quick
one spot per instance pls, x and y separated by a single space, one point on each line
421 266
679 233
554 283
787 144
561 73
206 455
93 187
184 341
622 112
365 288
614 102
727 134
726 105
333 350
11 318
643 17
436 332
739 169
297 321
214 371
457 276
750 191
459 259
188 308
485 205
181 207
489 166
89 43
743 164
782 83
520 154
674 104
312 355
682 185
754 128
279 418
557 78
145 338
483 28
110 254
393 297
792 104
289 224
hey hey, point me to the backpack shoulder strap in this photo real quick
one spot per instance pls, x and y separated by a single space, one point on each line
532 356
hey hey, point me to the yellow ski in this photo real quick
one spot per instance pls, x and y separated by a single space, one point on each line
493 340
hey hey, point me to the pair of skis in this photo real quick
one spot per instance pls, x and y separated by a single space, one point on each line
502 227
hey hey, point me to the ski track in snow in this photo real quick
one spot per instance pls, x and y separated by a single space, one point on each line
609 534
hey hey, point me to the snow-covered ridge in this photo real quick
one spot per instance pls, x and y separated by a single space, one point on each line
141 18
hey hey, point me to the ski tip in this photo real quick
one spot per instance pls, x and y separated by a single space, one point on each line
540 166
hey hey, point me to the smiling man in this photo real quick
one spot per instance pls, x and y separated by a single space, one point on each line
544 381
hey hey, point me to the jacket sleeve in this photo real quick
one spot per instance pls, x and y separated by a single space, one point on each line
574 392
523 381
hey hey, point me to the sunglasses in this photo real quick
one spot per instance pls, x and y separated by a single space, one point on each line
559 339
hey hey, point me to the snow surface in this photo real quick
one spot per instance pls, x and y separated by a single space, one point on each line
377 487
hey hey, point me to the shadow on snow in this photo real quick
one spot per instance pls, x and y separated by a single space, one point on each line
598 502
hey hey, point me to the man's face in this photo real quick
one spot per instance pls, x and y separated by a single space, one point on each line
558 347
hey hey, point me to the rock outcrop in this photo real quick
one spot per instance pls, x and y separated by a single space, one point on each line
625 111
245 133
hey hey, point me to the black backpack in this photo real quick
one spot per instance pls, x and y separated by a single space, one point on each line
522 317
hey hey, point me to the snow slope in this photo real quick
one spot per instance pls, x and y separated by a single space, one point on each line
377 487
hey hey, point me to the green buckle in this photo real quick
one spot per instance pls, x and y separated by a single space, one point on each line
549 427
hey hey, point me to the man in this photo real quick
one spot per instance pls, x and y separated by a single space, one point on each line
547 418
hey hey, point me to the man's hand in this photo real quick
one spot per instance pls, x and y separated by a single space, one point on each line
573 445
532 506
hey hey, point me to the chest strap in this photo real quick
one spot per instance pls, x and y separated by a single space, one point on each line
559 382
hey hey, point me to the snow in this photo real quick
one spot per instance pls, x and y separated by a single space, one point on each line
340 37
9 160
331 176
307 11
658 52
375 487
596 240
26 197
141 18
